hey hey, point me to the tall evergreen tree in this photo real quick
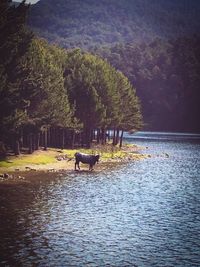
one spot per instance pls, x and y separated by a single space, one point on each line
99 94
14 41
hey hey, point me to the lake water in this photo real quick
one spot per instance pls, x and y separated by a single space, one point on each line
145 213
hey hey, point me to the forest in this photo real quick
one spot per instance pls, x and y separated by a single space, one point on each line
89 23
68 93
55 97
154 43
166 76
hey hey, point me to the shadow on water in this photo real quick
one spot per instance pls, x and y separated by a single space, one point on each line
14 200
144 213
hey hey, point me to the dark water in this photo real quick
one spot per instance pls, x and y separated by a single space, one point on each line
145 213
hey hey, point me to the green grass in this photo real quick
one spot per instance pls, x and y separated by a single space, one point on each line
28 159
106 152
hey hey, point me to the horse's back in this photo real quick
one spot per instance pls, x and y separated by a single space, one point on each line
84 158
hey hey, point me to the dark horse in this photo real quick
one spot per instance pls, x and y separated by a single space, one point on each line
88 159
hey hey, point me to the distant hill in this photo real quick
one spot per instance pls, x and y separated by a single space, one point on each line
155 43
78 23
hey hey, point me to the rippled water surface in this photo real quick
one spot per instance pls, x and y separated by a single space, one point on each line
144 213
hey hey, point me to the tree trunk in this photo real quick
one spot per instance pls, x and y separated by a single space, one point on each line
41 142
63 138
52 137
21 139
17 148
93 135
33 142
121 138
117 137
103 134
114 133
45 140
37 141
109 135
30 143
98 136
88 137
82 138
73 139
57 137
48 137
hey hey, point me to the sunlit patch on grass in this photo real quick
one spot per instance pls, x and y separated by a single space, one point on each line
35 158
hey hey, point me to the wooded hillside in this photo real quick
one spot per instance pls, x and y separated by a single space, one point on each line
167 78
164 70
77 23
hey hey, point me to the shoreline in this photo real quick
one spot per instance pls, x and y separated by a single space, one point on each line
62 162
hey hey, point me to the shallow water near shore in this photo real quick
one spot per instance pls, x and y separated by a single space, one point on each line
144 213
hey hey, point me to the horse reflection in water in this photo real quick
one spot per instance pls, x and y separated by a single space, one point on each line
87 159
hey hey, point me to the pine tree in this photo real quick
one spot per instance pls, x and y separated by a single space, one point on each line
14 41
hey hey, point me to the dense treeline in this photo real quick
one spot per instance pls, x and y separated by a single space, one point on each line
166 75
88 23
53 97
102 97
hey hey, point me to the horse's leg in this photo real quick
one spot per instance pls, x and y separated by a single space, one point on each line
91 167
77 164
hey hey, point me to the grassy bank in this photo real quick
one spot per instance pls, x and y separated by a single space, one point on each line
59 160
